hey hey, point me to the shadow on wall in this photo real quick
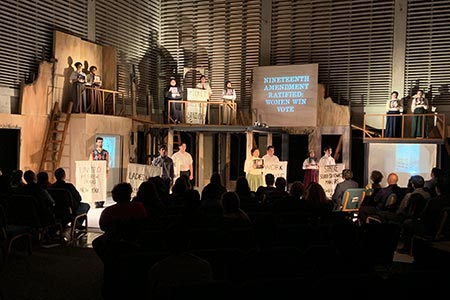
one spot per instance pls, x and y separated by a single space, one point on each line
67 87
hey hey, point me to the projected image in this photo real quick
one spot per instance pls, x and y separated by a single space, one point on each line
404 159
109 143
286 95
407 159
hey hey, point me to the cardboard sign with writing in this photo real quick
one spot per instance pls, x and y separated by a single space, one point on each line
277 169
329 177
90 180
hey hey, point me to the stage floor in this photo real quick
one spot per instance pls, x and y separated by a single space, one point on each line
94 213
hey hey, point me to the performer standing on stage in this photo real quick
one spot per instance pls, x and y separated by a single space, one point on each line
327 159
99 153
253 169
183 162
270 157
311 168
166 163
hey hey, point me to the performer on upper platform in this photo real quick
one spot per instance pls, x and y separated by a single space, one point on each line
228 96
174 92
394 108
419 105
204 85
78 80
94 81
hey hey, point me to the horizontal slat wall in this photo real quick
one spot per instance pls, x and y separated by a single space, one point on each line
350 40
427 63
26 31
132 27
221 36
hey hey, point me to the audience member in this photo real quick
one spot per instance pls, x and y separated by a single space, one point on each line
212 192
316 200
431 183
263 191
181 267
341 187
410 210
121 223
279 192
44 200
294 202
148 195
78 207
43 180
233 215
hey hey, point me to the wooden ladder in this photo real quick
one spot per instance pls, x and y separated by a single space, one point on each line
54 140
176 138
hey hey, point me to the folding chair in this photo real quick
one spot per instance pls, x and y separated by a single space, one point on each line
64 212
351 201
22 210
10 233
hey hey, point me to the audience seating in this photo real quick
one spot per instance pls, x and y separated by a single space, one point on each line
390 201
352 199
11 233
63 211
22 210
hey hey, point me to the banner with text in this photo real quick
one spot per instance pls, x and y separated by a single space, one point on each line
137 174
90 176
277 169
329 177
196 112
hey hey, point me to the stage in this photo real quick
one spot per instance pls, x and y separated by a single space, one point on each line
94 213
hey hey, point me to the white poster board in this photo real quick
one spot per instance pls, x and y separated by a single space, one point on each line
277 169
196 112
137 174
329 177
90 176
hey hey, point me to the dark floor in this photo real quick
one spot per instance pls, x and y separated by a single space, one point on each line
73 271
54 271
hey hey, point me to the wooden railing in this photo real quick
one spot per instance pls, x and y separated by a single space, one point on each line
203 109
432 127
98 96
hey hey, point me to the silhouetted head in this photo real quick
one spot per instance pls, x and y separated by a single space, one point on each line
270 179
230 202
60 174
417 181
347 174
122 192
29 177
